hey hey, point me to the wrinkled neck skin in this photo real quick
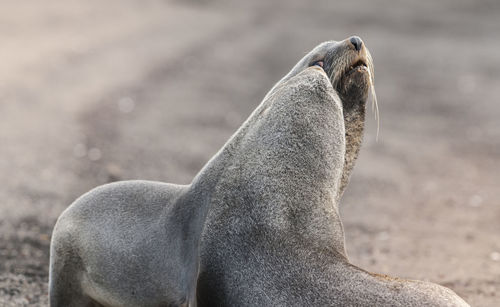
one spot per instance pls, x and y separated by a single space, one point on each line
354 120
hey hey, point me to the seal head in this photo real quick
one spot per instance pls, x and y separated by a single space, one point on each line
349 66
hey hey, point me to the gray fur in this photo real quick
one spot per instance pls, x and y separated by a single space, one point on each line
258 226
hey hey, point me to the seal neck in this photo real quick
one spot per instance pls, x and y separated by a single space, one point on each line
281 171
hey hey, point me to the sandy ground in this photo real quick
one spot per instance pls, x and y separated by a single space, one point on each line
93 91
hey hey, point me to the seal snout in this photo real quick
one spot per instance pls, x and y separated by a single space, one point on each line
356 42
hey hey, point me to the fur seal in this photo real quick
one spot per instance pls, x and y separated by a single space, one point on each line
258 226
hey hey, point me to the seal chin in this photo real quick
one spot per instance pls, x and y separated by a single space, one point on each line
354 85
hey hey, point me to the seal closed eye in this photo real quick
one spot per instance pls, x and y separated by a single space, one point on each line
318 63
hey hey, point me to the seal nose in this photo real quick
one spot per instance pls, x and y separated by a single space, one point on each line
356 42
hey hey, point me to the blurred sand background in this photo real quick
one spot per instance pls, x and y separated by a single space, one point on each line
96 91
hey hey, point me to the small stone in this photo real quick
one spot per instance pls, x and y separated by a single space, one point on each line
80 150
94 154
475 201
126 105
467 84
383 236
114 172
495 256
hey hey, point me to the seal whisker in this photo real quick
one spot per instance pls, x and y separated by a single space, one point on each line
377 114
375 109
